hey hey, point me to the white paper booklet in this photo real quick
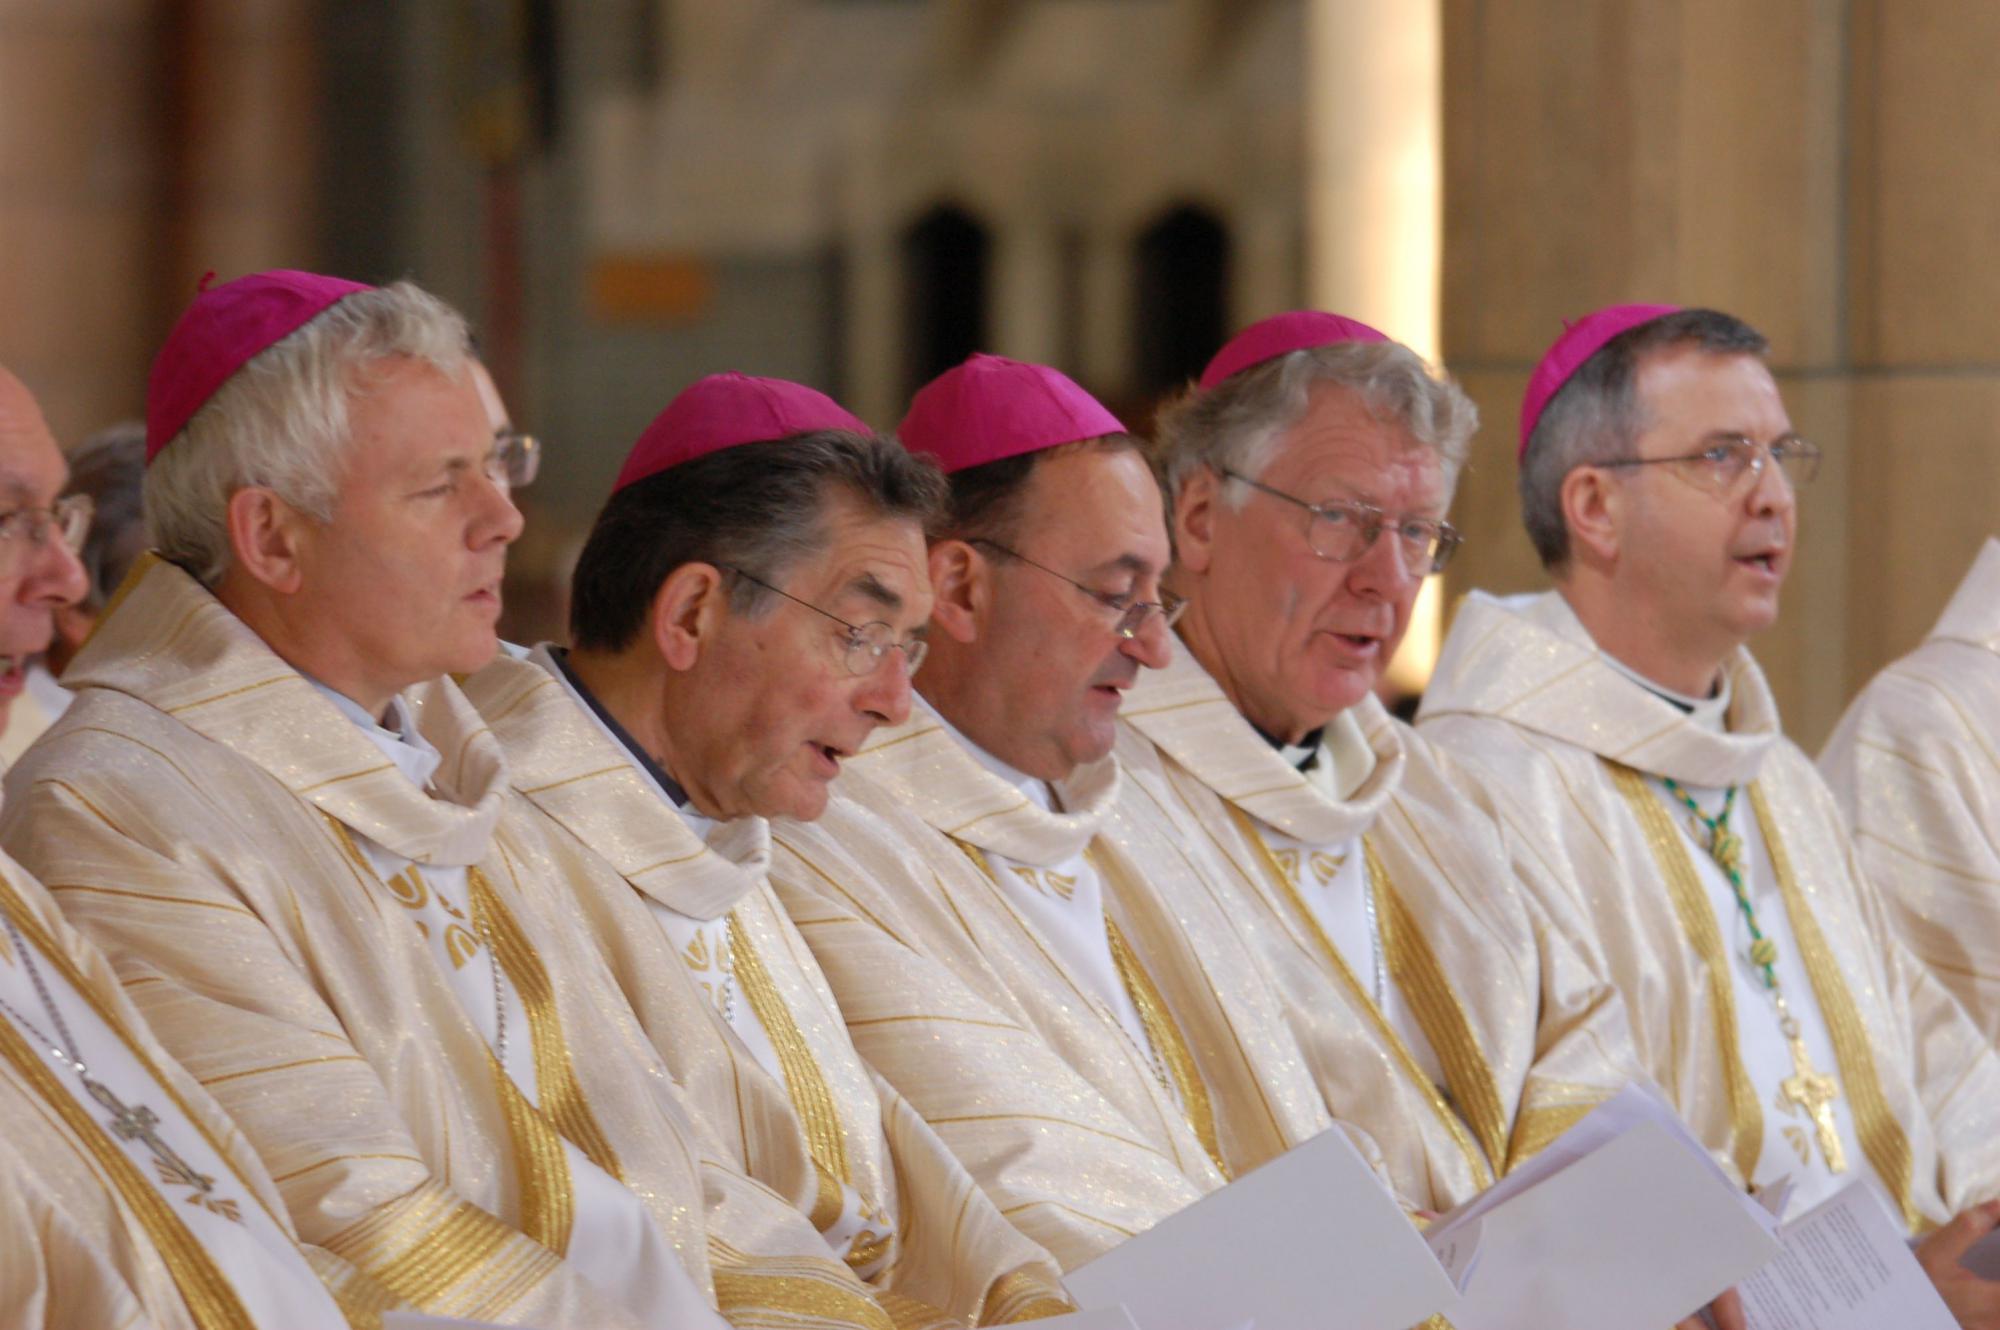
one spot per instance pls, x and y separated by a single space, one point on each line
1624 1220
1311 1239
1846 1265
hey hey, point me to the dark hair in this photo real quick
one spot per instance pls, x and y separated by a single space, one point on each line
986 499
759 507
1595 418
110 466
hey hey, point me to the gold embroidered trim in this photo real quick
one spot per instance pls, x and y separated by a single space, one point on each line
1167 1040
1690 902
210 1298
793 1299
1534 1128
1882 1138
445 1243
804 1082
1414 967
1019 1296
555 1079
1386 1033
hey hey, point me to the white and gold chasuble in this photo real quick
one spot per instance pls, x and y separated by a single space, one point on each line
737 1007
1441 1013
100 1228
959 995
1572 751
1915 765
202 811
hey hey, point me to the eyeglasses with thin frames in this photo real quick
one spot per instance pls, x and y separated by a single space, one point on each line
868 644
1342 530
1132 614
23 530
1721 467
515 459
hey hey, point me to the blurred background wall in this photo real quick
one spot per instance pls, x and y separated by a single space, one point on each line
626 194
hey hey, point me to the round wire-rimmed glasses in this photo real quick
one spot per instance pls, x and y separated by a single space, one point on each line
1342 530
868 644
1132 614
1721 467
23 530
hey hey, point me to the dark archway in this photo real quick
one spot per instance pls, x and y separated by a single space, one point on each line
947 258
1181 298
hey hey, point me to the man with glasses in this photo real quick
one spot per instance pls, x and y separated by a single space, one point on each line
964 894
748 608
42 540
296 841
1631 740
1309 473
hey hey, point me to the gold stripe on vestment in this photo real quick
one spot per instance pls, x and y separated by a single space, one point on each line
445 1243
207 1292
805 1084
556 1085
1414 968
1690 901
1168 1041
1482 1171
1018 1296
1882 1138
794 1291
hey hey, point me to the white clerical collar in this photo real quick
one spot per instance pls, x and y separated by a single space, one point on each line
1037 791
415 756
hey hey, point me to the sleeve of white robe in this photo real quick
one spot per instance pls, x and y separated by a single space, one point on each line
223 995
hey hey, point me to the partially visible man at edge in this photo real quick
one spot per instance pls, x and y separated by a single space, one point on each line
959 890
101 1225
1628 735
289 832
749 606
1309 472
1912 765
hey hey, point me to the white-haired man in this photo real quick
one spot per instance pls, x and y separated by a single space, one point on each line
1631 739
289 832
126 1198
748 607
1309 474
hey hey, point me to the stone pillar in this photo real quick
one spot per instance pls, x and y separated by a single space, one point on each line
1688 151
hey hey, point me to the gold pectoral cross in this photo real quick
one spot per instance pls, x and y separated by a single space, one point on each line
1815 1094
141 1124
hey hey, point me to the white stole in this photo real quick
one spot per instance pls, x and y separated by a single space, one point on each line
262 1263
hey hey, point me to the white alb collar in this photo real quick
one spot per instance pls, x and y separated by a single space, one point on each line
415 756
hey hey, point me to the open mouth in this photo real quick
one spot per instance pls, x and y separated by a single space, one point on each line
1766 562
826 758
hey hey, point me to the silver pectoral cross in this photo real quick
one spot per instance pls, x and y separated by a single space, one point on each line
141 1124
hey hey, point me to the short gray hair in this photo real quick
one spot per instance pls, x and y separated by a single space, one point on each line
110 466
1236 425
281 421
759 508
1595 416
